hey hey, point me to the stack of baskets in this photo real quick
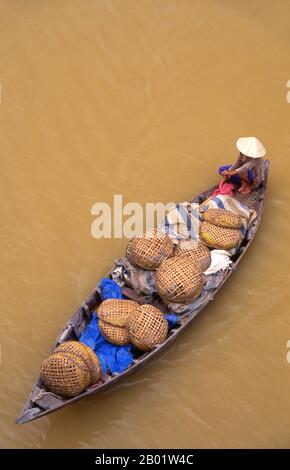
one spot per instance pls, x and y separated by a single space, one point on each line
149 249
179 280
220 229
124 321
70 369
113 315
179 269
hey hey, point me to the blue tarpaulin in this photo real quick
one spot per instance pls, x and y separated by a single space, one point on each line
110 289
112 357
172 320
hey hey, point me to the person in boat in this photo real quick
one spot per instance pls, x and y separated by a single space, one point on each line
248 171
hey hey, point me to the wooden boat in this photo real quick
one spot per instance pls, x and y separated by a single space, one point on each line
41 403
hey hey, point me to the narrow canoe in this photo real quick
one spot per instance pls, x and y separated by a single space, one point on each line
41 403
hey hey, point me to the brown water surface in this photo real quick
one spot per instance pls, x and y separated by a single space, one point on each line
145 99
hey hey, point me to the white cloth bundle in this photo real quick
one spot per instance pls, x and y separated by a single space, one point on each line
220 259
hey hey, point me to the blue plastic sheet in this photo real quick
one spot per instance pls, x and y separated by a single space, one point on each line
110 289
172 320
112 358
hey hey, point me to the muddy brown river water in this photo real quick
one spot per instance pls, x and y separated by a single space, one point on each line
145 99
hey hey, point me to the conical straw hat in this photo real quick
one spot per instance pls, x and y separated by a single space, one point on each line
251 147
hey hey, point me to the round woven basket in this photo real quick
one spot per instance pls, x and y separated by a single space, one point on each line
85 354
96 365
149 249
221 238
222 218
116 311
65 374
179 280
195 250
115 334
147 327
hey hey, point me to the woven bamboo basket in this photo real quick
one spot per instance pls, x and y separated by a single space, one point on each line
96 365
86 354
65 374
147 327
222 218
115 334
221 238
179 280
149 249
195 250
116 311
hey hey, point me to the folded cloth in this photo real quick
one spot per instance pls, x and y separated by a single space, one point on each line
220 259
182 222
141 280
224 188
